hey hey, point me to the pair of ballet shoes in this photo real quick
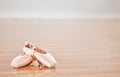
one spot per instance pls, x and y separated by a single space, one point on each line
34 56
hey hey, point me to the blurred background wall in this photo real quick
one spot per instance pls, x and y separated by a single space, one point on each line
60 9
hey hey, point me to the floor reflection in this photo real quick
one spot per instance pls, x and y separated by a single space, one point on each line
33 70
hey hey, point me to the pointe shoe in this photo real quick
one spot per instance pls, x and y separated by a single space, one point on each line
21 60
45 58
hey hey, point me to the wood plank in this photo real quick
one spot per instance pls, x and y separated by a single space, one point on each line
82 48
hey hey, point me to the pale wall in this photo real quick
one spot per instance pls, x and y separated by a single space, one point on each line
60 9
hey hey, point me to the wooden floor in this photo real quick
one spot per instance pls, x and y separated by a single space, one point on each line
82 48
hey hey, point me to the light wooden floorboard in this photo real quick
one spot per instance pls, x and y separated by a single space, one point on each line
82 48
